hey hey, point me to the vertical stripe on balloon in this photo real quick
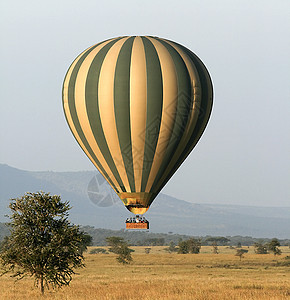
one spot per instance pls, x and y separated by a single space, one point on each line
107 109
122 108
154 108
138 108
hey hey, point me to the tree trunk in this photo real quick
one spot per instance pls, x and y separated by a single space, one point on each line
41 284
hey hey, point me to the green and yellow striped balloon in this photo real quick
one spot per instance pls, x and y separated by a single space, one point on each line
137 105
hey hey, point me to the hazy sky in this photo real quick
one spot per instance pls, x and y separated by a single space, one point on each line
244 154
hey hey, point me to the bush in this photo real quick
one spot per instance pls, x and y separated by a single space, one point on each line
189 246
171 248
260 248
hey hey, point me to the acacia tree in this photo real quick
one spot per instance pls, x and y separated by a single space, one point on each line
241 252
273 246
43 244
215 249
120 247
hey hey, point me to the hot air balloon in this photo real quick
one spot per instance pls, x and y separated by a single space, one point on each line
137 106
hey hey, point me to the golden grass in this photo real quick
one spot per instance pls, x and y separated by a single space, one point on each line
160 275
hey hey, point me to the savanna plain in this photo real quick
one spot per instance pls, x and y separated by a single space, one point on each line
163 275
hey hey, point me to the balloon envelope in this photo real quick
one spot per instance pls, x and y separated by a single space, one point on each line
137 106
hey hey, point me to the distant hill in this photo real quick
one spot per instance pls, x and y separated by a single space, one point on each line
167 214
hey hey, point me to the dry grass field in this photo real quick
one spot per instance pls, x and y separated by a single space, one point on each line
160 275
